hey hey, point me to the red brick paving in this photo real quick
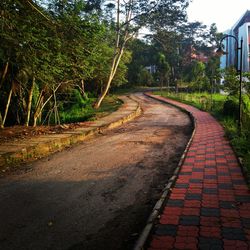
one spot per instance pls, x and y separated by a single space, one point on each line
209 206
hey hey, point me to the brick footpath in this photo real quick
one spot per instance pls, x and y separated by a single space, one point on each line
209 205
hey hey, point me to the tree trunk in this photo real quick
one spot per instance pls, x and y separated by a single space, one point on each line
7 108
168 85
36 115
161 83
57 118
82 90
40 106
4 73
1 120
104 93
30 102
36 111
117 53
119 45
116 61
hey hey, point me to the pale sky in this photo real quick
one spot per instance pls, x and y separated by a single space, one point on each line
225 13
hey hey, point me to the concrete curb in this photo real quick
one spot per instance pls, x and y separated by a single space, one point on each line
45 145
141 242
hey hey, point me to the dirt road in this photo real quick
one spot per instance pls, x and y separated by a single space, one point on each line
98 194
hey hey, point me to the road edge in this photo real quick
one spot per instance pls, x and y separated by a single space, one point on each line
141 242
129 110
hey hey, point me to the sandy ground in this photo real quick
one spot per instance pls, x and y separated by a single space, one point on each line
98 194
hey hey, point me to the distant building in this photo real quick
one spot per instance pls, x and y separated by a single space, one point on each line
241 30
151 69
198 56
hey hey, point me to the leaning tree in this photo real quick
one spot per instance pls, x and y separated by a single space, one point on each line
131 15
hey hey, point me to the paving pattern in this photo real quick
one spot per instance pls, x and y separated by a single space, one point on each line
209 206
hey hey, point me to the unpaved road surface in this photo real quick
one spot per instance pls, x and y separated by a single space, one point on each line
98 194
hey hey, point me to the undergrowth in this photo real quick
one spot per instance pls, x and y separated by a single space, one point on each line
82 110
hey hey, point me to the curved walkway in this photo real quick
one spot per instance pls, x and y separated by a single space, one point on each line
209 205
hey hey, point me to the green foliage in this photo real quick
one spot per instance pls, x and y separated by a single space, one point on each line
78 109
225 108
230 107
231 81
204 100
246 160
140 58
77 114
69 45
59 43
144 77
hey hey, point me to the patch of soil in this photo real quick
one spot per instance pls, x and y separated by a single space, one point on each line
18 132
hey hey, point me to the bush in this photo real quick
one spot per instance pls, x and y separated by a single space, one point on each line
247 161
231 108
76 108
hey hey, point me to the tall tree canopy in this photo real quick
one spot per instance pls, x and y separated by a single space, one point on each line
51 49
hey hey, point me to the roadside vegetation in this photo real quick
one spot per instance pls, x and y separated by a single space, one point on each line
59 58
225 108
82 110
60 61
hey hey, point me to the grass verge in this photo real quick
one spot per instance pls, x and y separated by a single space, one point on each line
214 104
85 112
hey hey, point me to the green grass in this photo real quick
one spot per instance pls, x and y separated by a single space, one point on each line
110 104
203 101
214 104
85 111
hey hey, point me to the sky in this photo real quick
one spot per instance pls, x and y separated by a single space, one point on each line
225 13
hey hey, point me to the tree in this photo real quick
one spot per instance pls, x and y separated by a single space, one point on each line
213 73
198 75
135 14
142 56
163 69
123 34
47 46
144 77
231 81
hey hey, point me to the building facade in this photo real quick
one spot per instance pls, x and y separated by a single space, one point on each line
241 30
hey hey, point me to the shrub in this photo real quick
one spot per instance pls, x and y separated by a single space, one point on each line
231 108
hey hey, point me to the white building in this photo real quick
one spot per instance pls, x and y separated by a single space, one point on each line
151 69
241 30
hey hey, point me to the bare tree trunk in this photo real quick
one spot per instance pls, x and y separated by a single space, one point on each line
40 106
37 108
117 54
161 83
105 91
82 89
30 102
4 73
7 108
1 120
168 85
57 118
36 114
120 42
